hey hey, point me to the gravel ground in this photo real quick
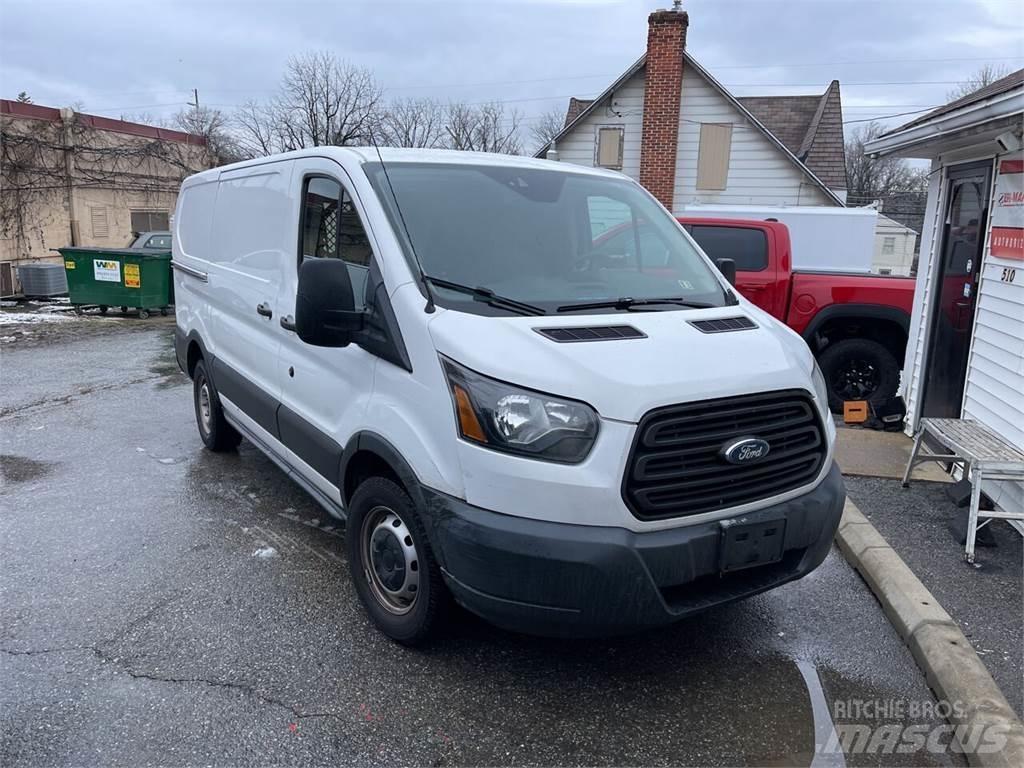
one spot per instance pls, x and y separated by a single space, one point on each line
985 599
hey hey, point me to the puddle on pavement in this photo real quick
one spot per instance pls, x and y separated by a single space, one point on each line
18 469
165 365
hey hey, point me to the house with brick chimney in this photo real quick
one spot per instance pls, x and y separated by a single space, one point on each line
667 122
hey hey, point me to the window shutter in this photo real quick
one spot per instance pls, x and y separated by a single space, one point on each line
713 156
100 227
609 147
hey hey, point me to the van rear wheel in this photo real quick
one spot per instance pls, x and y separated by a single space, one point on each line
216 433
393 569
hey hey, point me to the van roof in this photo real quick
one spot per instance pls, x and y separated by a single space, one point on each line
400 155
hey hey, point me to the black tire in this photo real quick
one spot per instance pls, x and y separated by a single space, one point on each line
858 369
103 309
399 555
124 310
143 313
216 433
163 312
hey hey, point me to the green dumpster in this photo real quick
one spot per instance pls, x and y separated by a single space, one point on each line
119 277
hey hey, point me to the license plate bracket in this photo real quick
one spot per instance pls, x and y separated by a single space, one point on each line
746 545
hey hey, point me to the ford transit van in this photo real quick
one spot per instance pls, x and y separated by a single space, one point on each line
566 433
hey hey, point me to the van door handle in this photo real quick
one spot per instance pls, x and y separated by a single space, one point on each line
264 309
288 323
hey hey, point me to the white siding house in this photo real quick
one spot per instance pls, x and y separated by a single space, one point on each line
894 247
970 281
759 172
624 109
689 140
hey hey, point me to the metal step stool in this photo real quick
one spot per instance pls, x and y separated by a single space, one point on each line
983 455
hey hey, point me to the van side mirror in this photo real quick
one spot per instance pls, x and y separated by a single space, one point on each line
728 269
325 314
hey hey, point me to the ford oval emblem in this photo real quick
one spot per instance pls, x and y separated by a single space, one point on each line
746 450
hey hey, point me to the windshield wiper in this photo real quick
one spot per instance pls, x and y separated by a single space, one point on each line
626 302
487 296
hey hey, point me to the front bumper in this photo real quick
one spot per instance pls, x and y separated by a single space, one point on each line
573 580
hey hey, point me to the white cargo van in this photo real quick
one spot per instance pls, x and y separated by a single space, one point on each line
440 347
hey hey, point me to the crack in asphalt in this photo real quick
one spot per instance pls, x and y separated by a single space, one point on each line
70 398
105 658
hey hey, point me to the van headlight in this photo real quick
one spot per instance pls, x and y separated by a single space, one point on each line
508 418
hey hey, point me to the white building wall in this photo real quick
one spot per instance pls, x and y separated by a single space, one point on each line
625 109
994 393
901 259
759 172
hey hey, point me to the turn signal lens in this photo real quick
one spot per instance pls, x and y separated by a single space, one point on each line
468 422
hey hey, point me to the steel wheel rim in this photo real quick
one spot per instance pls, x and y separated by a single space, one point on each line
857 380
205 407
390 560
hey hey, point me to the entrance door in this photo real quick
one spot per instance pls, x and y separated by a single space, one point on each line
956 287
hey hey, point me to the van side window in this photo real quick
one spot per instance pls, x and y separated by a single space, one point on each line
331 229
320 218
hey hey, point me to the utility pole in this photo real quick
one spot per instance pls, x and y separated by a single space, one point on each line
195 102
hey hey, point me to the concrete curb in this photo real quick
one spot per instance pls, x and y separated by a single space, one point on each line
952 668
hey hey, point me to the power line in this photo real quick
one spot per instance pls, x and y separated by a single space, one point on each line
884 117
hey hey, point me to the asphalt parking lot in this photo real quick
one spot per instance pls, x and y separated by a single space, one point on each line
163 605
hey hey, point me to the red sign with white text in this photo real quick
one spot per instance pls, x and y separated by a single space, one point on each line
1007 238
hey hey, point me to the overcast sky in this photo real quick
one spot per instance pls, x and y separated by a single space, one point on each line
135 56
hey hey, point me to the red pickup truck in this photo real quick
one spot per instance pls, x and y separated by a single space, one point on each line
855 324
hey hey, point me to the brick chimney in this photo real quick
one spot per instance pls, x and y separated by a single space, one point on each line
663 85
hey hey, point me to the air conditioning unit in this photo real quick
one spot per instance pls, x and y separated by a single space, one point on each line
43 279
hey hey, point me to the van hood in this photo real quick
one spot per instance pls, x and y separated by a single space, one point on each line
673 362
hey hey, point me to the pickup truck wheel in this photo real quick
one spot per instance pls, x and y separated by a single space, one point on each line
858 369
216 433
393 569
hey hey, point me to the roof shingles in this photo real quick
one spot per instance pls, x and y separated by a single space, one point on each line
811 127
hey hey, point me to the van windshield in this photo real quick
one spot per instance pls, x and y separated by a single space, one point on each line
548 238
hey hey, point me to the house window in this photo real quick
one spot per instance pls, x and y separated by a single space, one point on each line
888 246
609 148
150 221
713 155
98 219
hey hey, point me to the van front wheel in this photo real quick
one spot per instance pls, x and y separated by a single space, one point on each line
216 433
393 569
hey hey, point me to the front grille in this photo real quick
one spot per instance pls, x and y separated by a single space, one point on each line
676 466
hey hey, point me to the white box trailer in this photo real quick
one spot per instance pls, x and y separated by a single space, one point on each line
825 239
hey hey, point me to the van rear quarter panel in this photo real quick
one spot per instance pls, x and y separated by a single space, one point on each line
190 246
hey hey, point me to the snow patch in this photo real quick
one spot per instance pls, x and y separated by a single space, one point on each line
31 318
265 553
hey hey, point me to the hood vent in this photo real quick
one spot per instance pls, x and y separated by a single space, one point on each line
724 324
591 333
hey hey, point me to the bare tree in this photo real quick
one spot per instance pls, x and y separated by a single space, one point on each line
547 126
986 75
321 101
413 123
213 126
900 188
483 128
